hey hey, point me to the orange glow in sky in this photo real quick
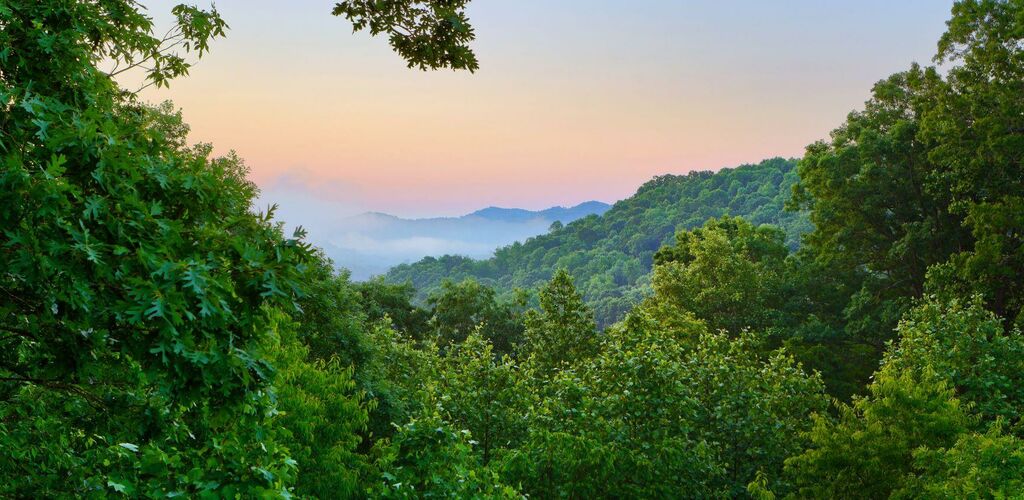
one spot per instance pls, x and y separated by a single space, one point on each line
575 100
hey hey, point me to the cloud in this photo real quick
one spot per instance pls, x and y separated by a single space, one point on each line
310 184
333 214
412 248
317 204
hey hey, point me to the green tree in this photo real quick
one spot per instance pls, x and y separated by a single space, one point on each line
868 452
563 331
941 394
323 416
428 34
461 308
400 372
664 409
617 425
427 458
976 124
928 176
483 394
812 325
965 345
382 300
140 299
878 215
138 290
979 465
332 316
735 276
727 273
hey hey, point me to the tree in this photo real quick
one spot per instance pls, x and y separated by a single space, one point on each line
461 308
736 276
382 300
923 186
139 295
812 325
427 458
869 450
989 465
664 409
323 416
400 372
964 345
976 124
138 290
615 425
753 406
727 273
428 34
563 331
942 394
332 317
878 213
484 394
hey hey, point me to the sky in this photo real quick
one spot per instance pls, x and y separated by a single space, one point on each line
574 99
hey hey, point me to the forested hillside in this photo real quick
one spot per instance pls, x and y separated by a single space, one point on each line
610 256
160 338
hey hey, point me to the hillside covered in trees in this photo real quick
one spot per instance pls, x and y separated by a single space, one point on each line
611 255
161 338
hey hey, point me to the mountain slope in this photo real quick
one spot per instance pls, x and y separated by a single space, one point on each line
611 255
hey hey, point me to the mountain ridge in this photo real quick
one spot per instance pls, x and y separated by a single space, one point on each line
494 212
559 213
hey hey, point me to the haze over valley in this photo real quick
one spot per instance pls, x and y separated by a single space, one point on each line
370 243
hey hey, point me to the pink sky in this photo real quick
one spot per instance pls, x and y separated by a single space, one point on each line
575 100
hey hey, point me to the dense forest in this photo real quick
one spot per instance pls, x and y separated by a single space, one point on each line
846 328
611 255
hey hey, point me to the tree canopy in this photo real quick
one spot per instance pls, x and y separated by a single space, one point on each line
160 337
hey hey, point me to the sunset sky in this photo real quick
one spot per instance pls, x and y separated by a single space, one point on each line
574 100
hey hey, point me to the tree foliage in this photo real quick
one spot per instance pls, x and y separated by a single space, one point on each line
323 418
727 273
159 338
461 308
484 394
428 34
928 176
140 291
562 331
877 212
660 411
926 410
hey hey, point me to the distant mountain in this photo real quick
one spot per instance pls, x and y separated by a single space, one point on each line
370 243
565 215
611 254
